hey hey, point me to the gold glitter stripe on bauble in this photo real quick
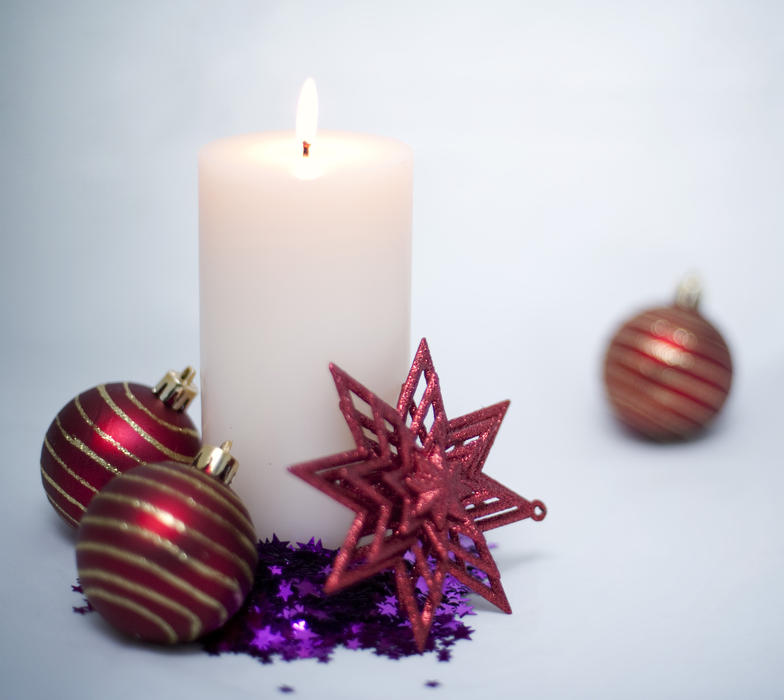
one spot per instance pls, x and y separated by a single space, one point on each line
104 435
176 428
144 592
79 445
191 503
687 384
666 397
664 419
171 454
166 544
68 470
61 511
67 496
168 519
194 480
153 568
121 601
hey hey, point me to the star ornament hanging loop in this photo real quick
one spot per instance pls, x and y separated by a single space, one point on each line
421 500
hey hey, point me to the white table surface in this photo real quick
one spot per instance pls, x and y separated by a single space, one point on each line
573 160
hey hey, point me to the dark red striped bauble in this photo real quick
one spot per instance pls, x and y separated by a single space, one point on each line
667 372
166 552
110 429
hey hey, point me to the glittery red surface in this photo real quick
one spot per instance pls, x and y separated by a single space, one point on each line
416 484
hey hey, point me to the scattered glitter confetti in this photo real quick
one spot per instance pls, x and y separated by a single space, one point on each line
364 616
81 609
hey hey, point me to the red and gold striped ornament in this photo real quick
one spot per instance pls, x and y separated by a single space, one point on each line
667 370
166 552
110 429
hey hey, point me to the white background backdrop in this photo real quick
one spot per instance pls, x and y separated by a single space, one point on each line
573 160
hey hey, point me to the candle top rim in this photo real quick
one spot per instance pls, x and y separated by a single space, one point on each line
331 152
325 136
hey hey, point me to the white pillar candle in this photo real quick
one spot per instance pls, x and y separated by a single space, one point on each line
303 261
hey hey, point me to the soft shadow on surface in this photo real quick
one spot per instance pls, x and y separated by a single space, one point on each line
58 526
624 432
482 605
112 636
507 564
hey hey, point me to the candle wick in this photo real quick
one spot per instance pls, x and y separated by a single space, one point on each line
305 149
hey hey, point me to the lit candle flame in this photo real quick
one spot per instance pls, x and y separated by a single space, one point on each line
307 115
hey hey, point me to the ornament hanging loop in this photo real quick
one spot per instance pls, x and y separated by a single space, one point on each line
218 462
538 510
689 292
177 390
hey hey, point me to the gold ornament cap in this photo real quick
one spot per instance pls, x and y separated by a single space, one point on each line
177 390
217 462
689 292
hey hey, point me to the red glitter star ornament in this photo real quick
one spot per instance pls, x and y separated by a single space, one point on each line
421 500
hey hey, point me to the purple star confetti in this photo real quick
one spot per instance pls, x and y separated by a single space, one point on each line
81 609
287 616
284 590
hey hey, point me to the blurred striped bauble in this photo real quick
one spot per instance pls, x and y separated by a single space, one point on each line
667 370
166 552
110 429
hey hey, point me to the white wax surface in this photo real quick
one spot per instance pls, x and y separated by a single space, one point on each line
302 262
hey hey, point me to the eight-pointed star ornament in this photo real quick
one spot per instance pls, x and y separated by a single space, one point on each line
415 481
